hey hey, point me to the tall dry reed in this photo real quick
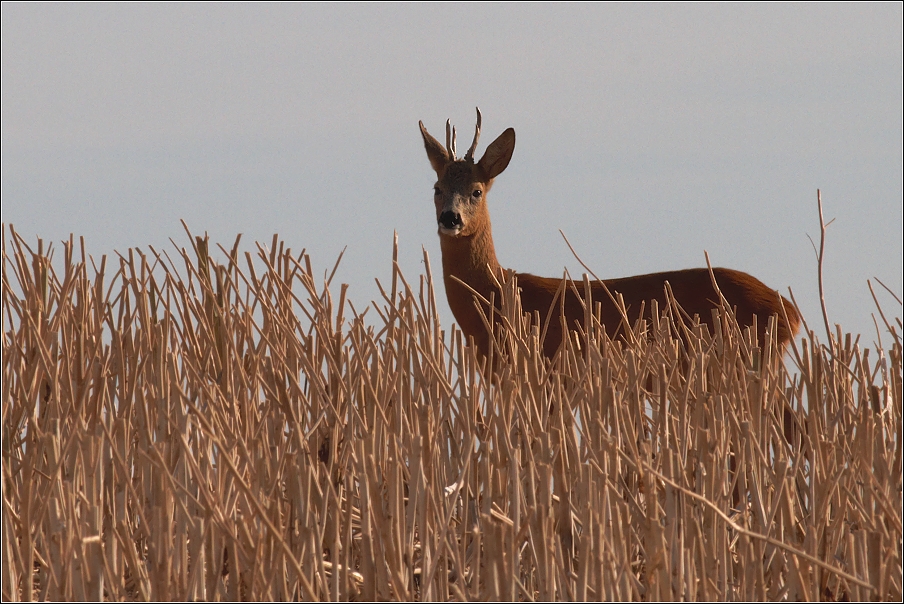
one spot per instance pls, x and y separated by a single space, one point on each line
206 424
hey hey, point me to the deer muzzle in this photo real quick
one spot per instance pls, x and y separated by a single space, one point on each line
450 222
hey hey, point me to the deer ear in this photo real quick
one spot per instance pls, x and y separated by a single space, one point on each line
498 154
436 153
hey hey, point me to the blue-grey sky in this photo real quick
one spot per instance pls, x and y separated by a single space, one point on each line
647 133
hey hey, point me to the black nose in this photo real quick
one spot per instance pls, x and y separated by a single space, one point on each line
450 220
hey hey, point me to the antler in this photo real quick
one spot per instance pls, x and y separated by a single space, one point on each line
450 139
470 154
451 142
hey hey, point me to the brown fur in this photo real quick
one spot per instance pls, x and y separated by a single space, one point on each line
469 256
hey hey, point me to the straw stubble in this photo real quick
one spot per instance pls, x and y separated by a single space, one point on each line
209 425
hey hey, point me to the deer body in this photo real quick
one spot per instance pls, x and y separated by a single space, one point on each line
469 257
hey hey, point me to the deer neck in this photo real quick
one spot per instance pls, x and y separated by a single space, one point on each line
472 260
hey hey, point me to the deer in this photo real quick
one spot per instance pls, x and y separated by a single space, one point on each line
472 272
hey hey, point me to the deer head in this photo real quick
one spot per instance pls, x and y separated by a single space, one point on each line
462 185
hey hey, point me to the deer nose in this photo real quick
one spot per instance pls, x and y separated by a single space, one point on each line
450 220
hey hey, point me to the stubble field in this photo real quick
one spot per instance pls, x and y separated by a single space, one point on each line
203 424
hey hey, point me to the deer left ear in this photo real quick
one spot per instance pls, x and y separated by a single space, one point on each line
498 154
436 153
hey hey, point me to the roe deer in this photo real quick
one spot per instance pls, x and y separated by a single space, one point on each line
466 240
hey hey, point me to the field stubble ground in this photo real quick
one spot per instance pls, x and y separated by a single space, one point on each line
196 424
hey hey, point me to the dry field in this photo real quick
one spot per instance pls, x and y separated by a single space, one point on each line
200 424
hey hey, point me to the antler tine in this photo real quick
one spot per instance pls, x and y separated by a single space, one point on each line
470 154
449 139
454 144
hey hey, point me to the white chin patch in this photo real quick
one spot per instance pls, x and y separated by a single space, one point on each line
451 232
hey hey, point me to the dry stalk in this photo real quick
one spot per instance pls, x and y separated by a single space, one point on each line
200 424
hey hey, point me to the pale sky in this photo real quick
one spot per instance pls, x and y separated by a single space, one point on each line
647 133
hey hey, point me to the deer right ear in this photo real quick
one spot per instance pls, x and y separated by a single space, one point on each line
498 154
436 153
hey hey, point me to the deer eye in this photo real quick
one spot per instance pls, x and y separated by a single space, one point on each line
437 192
477 193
